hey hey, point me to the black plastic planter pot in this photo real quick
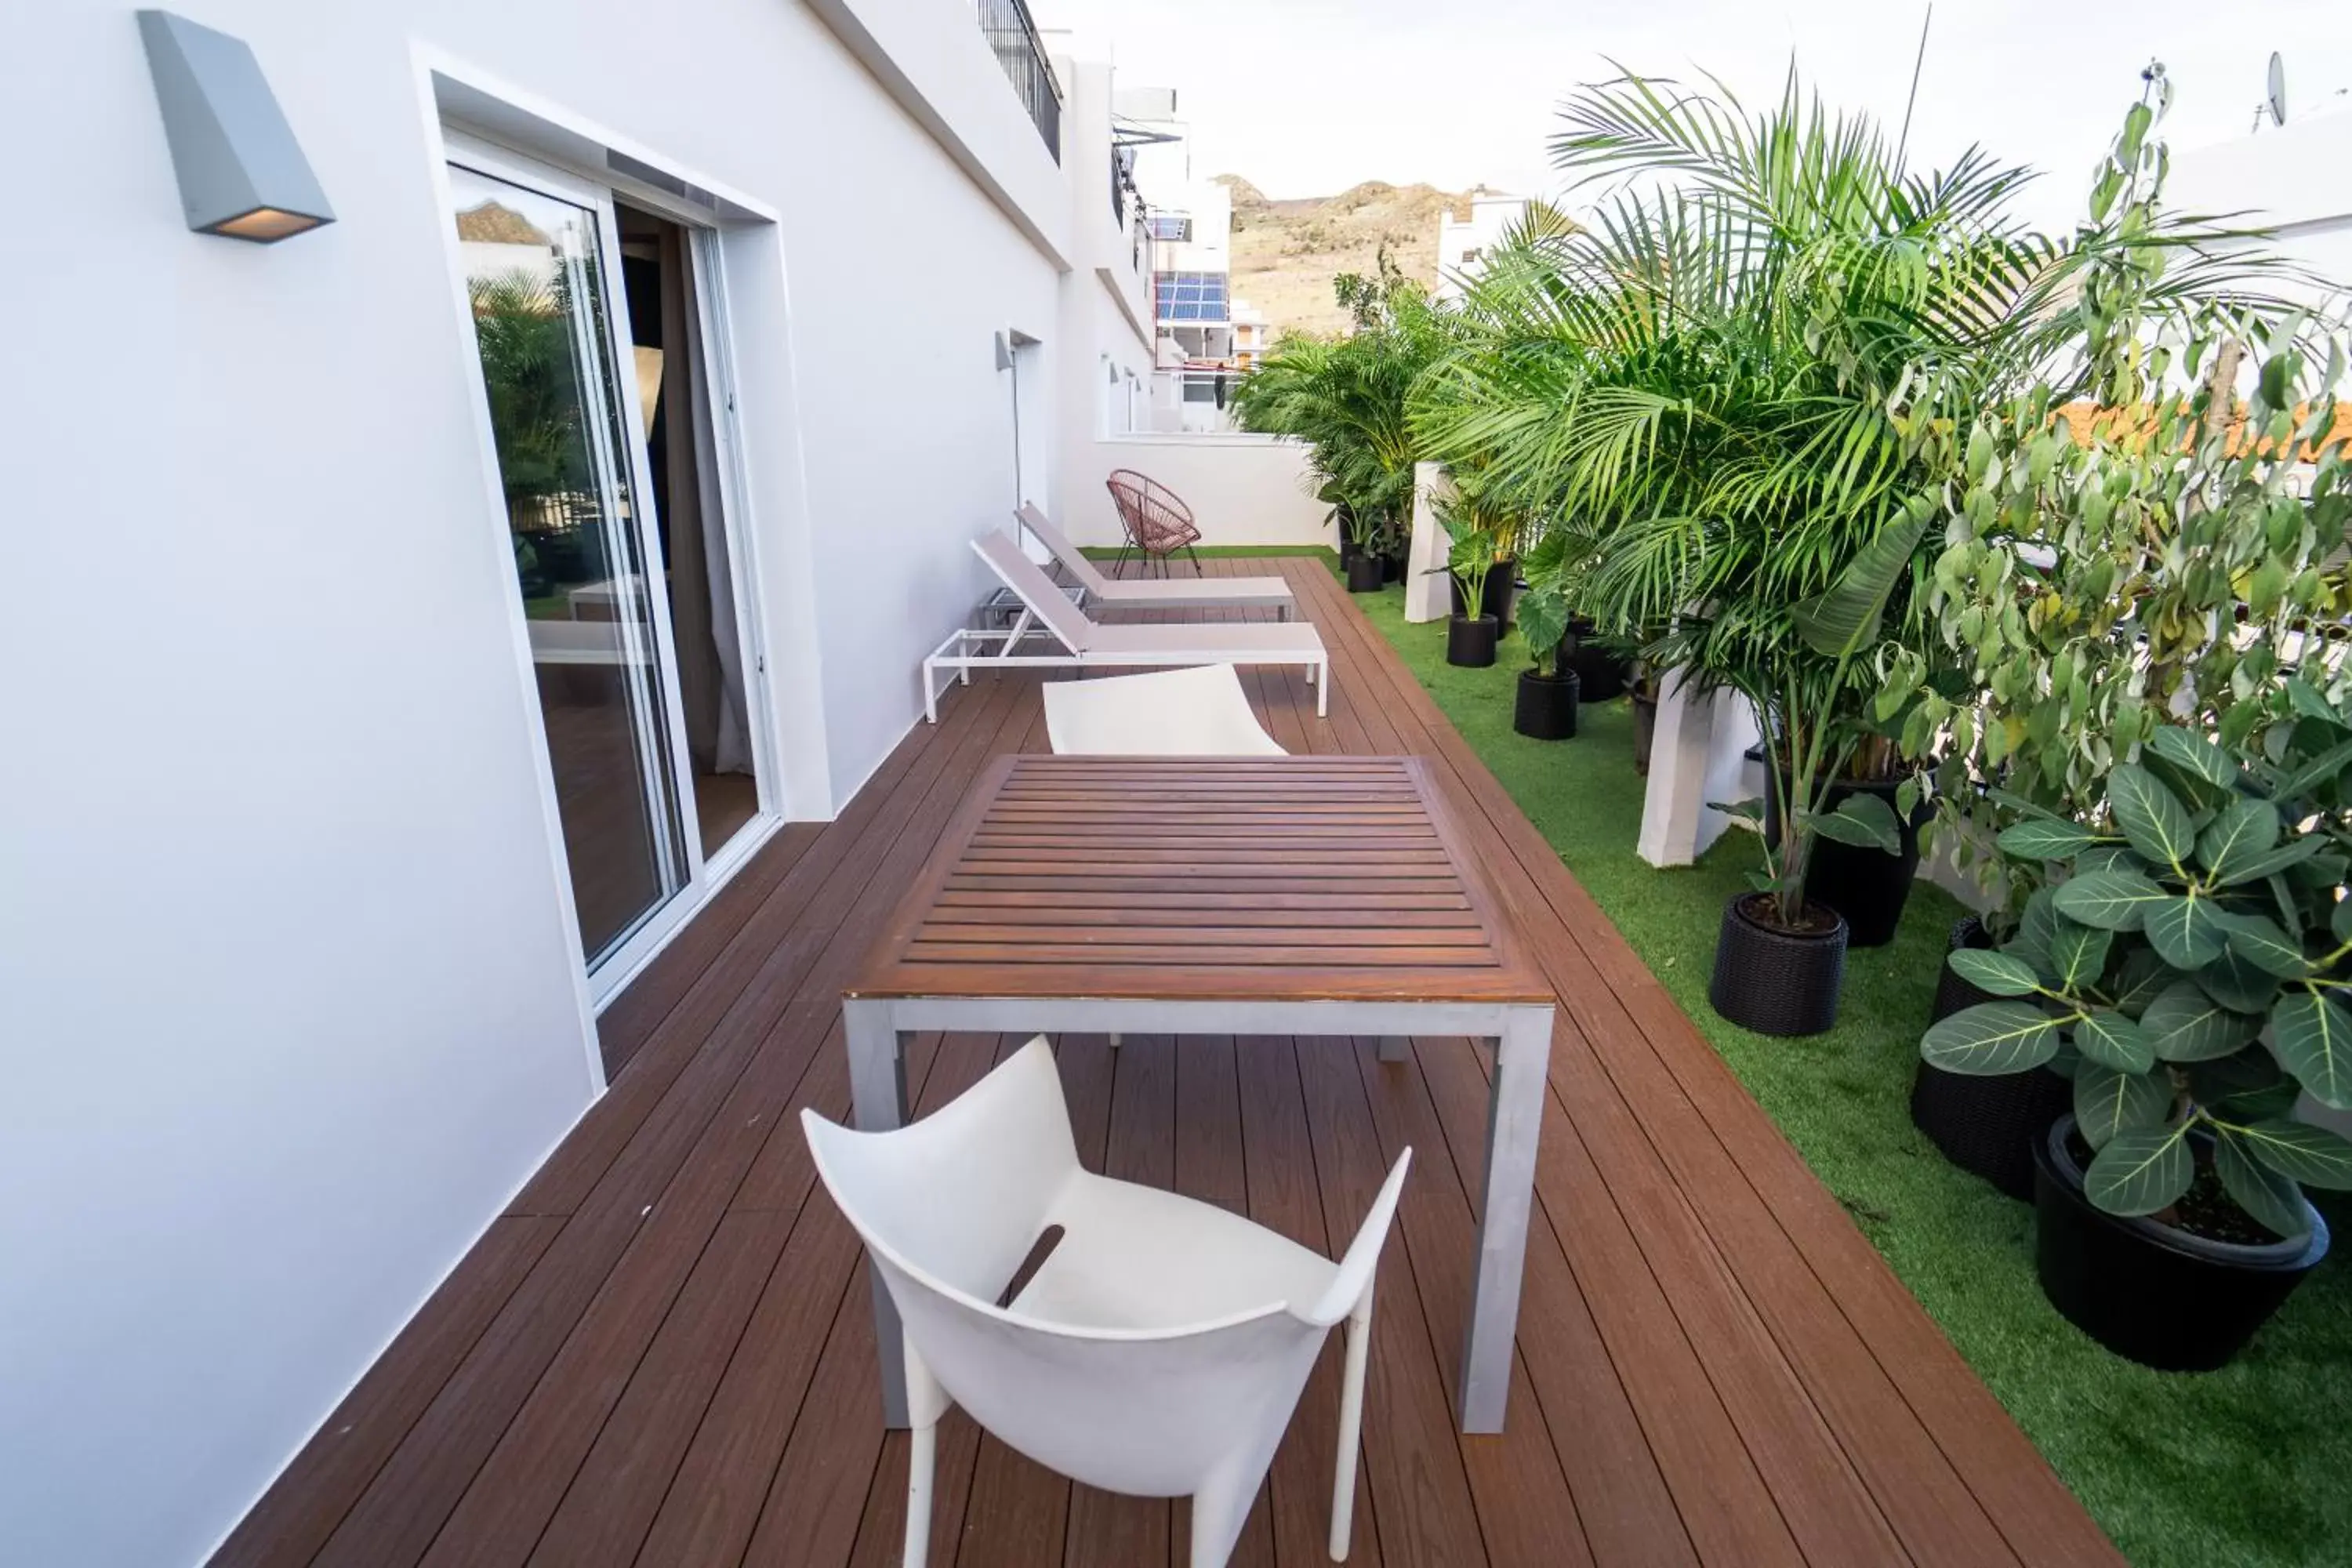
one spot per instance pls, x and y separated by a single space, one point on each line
1472 643
1865 883
1546 709
1493 599
1860 881
1364 574
1602 673
1392 569
2150 1292
1777 982
1645 728
1987 1126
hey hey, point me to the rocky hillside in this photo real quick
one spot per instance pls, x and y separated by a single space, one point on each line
1286 253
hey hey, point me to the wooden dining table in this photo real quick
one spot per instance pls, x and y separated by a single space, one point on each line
1309 896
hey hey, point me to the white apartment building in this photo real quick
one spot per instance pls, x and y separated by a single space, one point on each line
1463 244
420 617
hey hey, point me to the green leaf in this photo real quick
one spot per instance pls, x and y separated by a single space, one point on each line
2107 1102
2186 931
2245 831
2046 838
2031 943
2151 816
2112 901
2078 953
1995 971
2270 862
2184 1025
2262 941
2269 1196
2194 754
2312 1037
2143 979
2141 1170
1845 619
2238 983
1862 819
2312 1155
2109 1040
2313 773
2252 1071
1992 1038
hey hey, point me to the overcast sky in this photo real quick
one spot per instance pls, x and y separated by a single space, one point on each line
1307 96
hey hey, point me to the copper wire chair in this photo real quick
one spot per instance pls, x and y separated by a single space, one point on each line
1156 520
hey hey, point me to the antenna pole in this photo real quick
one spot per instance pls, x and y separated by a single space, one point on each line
1916 63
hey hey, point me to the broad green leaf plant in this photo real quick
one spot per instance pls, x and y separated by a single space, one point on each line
2127 544
2201 914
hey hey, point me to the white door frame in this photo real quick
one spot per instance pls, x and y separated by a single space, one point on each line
701 877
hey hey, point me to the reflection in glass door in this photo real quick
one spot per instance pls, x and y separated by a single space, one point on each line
535 274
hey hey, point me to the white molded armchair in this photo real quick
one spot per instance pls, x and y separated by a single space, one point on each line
1160 1347
1197 712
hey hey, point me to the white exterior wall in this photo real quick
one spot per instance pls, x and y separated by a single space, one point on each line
2296 178
1243 489
1463 246
286 966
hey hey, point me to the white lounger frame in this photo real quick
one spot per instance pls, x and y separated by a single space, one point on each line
1234 642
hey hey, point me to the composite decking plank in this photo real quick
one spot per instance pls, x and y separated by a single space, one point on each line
1621 1497
632 1016
1524 1505
1207 1164
828 872
1427 1515
301 1509
1286 1195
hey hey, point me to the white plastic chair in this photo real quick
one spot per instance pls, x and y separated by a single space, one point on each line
1160 1348
1197 712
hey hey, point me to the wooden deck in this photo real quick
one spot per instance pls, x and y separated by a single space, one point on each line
662 1354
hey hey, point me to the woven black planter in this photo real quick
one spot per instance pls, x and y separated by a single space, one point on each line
1602 674
2151 1292
1471 644
1364 574
1987 1126
1645 727
1546 708
1772 981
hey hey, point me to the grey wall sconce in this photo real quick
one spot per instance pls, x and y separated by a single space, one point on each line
241 172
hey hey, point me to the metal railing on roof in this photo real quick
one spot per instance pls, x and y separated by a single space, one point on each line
1013 35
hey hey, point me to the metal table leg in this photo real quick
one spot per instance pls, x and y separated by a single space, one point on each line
878 1088
1514 1120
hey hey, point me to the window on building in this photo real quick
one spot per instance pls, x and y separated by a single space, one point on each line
1177 227
1190 296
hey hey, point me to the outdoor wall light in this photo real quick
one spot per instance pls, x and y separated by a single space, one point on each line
241 172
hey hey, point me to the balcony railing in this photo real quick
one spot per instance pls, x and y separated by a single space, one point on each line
1007 26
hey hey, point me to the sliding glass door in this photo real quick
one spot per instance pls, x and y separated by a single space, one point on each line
650 774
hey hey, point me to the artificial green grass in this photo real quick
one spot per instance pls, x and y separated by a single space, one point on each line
2247 1467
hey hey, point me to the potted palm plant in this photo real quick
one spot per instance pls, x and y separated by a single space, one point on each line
2184 973
1545 707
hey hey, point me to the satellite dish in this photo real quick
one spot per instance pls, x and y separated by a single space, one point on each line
2275 96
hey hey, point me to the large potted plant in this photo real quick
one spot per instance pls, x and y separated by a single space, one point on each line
1545 706
2184 972
2116 556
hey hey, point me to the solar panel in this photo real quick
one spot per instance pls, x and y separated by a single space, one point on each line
1190 296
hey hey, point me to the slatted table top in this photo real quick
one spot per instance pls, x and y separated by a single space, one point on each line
1306 878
